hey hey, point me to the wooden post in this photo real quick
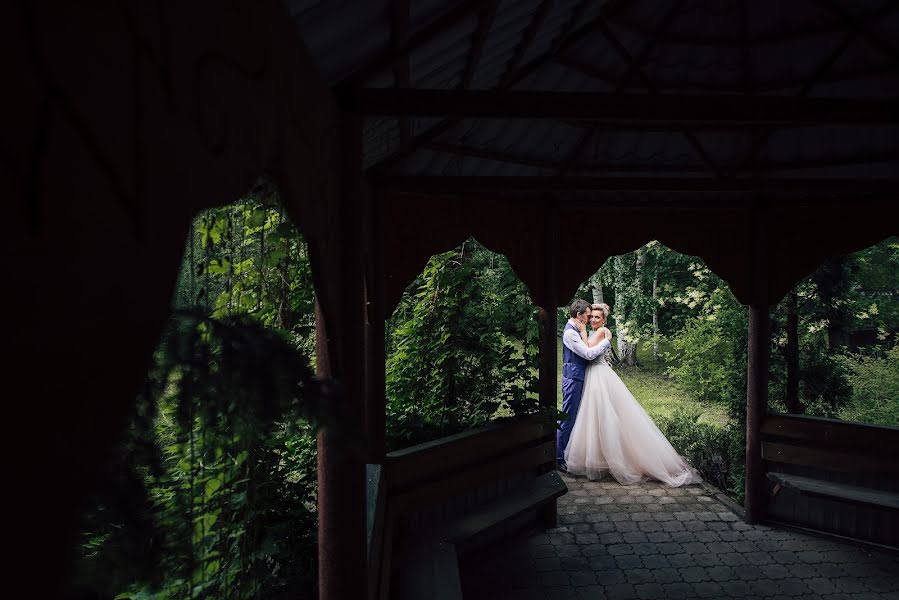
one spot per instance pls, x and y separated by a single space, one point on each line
342 568
757 369
375 352
546 320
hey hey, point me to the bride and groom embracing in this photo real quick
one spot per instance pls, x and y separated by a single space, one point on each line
607 431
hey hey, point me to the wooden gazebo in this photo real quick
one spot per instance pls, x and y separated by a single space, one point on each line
760 136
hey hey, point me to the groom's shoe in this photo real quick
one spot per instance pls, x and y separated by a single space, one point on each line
561 466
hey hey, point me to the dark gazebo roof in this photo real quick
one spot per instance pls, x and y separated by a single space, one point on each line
696 109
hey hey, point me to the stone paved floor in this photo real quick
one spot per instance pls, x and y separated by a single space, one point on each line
651 541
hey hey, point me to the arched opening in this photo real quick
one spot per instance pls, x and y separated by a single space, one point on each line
212 490
834 372
461 348
834 350
679 345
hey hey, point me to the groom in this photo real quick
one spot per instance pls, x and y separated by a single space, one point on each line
575 356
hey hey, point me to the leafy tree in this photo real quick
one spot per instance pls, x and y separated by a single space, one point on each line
462 348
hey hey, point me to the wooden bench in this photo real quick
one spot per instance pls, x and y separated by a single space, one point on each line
440 499
430 562
841 477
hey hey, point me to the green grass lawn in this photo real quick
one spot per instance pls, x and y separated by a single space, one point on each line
658 394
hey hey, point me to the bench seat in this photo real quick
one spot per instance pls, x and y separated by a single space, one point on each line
837 491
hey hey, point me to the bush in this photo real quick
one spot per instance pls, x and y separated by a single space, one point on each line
710 365
875 387
716 451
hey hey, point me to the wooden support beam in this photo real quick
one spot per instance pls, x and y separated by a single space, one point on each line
594 167
769 85
457 184
677 110
721 39
342 530
548 331
489 154
373 338
757 366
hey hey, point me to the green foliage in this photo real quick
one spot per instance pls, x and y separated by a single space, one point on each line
875 387
204 497
462 349
716 451
709 357
213 491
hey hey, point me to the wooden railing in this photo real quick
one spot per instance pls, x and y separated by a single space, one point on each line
832 476
470 485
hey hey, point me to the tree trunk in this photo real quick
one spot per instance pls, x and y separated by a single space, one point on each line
793 405
655 315
597 288
833 283
627 288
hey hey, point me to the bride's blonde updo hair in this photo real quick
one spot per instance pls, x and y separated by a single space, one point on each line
603 307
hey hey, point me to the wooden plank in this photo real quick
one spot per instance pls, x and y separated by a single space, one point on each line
839 491
449 184
875 439
678 109
473 475
834 460
410 466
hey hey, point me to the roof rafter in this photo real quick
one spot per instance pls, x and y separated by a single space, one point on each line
388 58
633 66
399 38
676 109
610 77
833 58
636 64
527 38
561 43
809 30
453 184
862 29
485 22
569 37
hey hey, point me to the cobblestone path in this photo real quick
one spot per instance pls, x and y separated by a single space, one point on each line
650 541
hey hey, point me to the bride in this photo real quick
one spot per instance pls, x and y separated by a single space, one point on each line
612 433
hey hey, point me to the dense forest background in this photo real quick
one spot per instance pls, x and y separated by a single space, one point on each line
212 492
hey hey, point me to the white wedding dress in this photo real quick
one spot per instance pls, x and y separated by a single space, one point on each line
613 434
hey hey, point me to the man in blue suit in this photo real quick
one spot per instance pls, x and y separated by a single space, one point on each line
575 356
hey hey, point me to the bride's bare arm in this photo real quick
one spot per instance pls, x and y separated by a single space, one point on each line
596 339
